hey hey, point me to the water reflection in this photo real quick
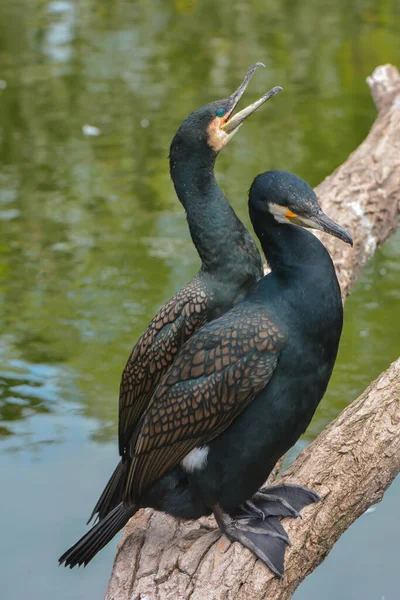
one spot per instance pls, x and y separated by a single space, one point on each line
92 239
30 402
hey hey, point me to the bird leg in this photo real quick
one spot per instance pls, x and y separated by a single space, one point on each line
266 537
283 500
247 509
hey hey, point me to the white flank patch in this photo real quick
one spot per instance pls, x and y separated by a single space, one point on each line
196 459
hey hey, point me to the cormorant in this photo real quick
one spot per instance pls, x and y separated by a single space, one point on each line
230 266
242 389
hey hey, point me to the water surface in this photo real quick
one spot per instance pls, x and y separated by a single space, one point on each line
93 240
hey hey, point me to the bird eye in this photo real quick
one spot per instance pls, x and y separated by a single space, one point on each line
220 112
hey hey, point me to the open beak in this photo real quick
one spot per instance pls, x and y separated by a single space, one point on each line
230 123
322 222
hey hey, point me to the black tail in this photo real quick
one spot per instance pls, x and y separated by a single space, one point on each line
94 540
112 493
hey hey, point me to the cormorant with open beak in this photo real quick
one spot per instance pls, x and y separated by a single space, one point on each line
230 266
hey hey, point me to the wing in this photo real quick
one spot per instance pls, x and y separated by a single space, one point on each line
155 351
214 377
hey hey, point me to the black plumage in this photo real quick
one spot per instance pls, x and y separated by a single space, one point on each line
230 266
243 389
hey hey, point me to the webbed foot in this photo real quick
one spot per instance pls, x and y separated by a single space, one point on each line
266 537
283 500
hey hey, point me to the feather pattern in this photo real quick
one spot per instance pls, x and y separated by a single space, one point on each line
215 376
155 351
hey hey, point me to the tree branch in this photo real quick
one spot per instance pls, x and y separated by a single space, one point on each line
352 461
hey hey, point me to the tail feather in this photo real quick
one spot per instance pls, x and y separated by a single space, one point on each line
94 540
112 493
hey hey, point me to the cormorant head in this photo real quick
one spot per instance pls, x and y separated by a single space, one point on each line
209 128
289 199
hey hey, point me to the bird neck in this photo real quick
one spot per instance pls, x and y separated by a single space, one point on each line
289 249
214 227
193 177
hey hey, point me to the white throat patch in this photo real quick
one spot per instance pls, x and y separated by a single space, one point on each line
218 138
278 212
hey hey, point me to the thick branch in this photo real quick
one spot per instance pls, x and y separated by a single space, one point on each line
350 464
363 194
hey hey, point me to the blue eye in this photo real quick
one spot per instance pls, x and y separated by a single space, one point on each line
220 112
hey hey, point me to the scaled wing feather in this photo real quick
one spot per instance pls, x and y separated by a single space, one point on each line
155 351
215 376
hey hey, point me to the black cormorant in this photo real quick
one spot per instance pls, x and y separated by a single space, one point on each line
230 266
242 389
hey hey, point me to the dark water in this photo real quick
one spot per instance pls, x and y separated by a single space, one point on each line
92 239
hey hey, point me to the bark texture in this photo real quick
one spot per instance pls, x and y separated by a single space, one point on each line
352 461
363 194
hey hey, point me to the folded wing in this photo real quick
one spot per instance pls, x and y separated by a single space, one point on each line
214 377
155 351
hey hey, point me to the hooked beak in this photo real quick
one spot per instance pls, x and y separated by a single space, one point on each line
322 222
230 124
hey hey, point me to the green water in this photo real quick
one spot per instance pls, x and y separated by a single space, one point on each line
93 240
